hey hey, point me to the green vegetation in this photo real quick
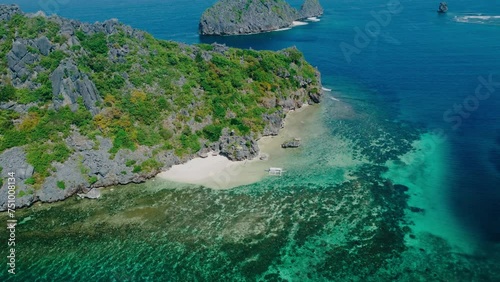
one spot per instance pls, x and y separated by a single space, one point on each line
41 156
93 180
137 169
52 61
7 92
30 181
97 44
150 165
151 94
61 185
212 132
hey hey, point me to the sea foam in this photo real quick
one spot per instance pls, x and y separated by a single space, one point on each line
478 19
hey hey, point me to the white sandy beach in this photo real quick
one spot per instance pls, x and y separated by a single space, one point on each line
218 172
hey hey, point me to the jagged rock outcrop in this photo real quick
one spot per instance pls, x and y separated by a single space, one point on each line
236 148
14 160
443 7
43 45
68 84
18 60
51 70
7 11
230 17
295 143
311 8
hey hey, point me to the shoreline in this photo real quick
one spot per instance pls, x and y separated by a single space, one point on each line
218 172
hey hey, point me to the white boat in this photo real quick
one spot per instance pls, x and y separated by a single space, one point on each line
275 171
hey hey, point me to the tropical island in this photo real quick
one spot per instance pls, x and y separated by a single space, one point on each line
229 17
93 105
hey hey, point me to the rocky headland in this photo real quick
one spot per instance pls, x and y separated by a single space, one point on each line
85 105
229 17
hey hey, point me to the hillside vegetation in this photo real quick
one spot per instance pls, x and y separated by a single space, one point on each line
107 81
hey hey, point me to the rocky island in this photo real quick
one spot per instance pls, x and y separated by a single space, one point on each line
229 17
294 143
85 105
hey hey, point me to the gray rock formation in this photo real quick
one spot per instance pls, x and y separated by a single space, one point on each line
443 7
14 160
274 123
7 11
43 45
86 162
18 60
68 84
236 148
230 17
92 194
295 143
311 8
90 165
315 97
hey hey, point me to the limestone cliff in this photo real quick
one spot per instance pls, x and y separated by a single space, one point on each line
311 8
230 17
85 105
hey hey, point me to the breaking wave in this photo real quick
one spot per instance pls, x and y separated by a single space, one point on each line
478 19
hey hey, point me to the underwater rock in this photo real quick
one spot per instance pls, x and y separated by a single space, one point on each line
416 210
401 188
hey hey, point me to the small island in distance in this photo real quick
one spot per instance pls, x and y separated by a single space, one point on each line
229 17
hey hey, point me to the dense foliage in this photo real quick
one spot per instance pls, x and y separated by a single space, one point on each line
153 95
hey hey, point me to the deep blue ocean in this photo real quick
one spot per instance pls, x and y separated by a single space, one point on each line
439 72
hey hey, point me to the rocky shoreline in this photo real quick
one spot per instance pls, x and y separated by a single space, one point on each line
90 164
228 17
112 171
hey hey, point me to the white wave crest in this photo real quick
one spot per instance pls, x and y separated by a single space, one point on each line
313 19
478 19
297 23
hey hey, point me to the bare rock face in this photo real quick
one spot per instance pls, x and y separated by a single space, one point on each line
311 8
7 11
294 143
19 58
234 17
443 7
236 148
68 84
43 45
90 164
230 17
14 160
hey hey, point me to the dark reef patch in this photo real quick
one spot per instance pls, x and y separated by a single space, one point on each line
401 188
417 210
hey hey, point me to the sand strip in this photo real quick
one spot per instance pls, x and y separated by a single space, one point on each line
218 172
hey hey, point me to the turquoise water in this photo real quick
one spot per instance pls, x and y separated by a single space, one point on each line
325 223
